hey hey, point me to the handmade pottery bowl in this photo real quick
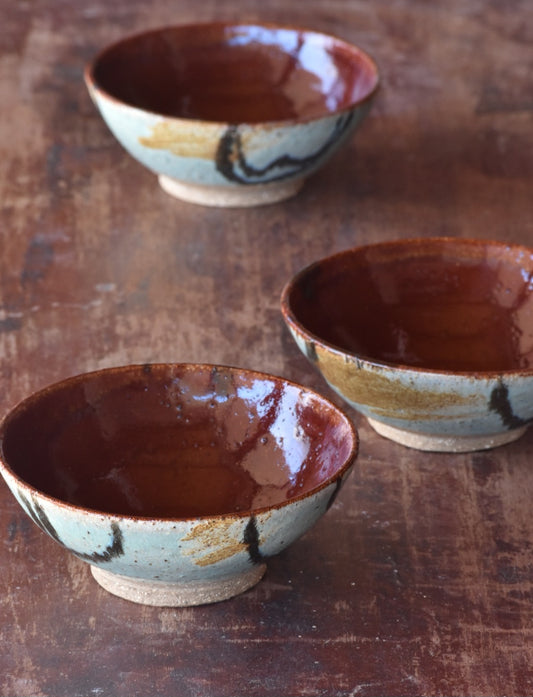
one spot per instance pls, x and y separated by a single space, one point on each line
232 114
431 339
176 482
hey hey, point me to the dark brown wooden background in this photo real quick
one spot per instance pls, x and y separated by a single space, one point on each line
419 580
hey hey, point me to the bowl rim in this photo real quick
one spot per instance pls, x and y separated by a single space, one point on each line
380 365
93 85
137 369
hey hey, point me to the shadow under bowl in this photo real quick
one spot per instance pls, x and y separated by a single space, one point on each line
232 114
176 482
431 339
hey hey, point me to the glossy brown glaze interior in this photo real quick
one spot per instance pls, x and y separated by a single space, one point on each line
235 73
437 304
175 441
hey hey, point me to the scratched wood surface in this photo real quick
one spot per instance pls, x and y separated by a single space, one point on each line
419 581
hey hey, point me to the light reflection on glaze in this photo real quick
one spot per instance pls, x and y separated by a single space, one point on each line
176 443
236 74
433 305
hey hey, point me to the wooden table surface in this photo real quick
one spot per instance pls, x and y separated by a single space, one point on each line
419 580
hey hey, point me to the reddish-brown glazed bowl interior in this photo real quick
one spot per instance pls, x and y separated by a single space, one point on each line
176 441
442 304
235 73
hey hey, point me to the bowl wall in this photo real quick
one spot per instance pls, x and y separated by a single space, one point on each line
213 155
176 473
432 337
235 73
434 304
214 108
177 551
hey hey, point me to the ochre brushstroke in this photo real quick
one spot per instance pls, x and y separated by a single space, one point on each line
181 139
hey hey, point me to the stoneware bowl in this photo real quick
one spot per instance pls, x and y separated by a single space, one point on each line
176 482
431 339
232 114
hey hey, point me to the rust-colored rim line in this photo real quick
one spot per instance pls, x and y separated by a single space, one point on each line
299 328
92 83
33 492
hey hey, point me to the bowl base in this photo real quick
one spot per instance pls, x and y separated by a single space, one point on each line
177 594
231 196
445 444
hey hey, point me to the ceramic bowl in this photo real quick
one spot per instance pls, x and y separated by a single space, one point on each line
176 483
232 114
430 339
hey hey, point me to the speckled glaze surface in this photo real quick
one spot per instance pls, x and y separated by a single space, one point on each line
176 482
232 115
432 340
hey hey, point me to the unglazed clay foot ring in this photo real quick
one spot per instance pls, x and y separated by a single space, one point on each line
445 444
169 594
231 196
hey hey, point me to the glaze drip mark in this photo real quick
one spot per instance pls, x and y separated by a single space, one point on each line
499 402
332 498
230 157
39 517
251 540
310 351
115 549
